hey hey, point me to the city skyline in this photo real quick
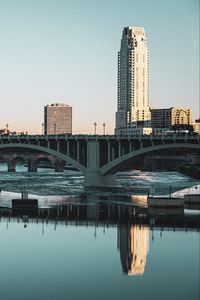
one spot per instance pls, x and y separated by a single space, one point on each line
49 49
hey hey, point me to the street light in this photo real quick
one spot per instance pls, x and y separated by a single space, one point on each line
104 128
7 128
95 128
42 128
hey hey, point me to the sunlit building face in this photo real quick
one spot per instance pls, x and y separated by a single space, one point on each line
133 80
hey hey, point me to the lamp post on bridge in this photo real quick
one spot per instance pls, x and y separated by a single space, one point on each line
95 128
7 130
54 128
104 128
42 128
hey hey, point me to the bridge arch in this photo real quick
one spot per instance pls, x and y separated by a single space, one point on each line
55 153
117 164
47 160
17 160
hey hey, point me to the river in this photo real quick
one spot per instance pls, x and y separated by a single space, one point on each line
94 258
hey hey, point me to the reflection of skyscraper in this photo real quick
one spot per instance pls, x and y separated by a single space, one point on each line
133 242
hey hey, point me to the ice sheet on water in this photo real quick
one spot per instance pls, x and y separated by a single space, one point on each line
191 190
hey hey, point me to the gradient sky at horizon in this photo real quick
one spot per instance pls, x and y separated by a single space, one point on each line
66 51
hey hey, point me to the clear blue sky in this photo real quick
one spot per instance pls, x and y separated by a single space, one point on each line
66 51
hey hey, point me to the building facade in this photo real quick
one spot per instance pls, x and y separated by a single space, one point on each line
196 126
133 81
171 118
57 119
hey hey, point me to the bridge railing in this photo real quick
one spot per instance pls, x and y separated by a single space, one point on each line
99 137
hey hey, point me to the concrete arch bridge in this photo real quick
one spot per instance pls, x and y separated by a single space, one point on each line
30 158
97 157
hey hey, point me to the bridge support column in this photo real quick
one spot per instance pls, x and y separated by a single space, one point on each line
93 178
59 166
58 146
11 166
32 168
78 151
109 151
119 148
67 148
130 147
112 153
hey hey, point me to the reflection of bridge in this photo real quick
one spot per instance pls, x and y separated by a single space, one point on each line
133 226
98 157
132 242
104 213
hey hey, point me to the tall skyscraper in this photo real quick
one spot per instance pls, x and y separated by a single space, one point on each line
133 81
57 119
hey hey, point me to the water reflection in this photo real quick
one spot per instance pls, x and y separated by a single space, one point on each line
133 243
133 226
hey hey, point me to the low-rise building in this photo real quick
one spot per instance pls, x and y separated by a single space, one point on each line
196 126
135 131
171 118
57 119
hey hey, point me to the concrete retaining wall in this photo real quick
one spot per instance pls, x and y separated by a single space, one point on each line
170 211
192 198
165 202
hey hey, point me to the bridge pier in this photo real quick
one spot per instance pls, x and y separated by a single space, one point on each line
59 166
11 165
31 167
11 168
94 179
